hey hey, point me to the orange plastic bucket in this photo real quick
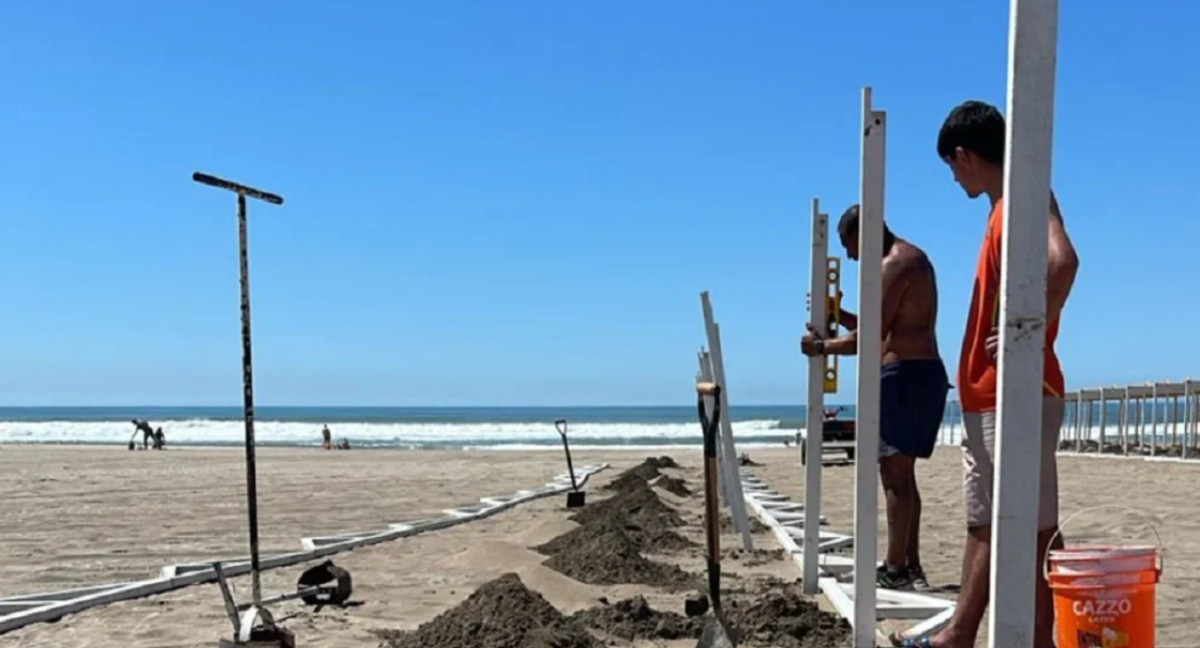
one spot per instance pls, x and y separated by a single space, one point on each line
1104 597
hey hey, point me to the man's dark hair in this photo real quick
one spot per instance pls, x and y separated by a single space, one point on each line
848 227
975 126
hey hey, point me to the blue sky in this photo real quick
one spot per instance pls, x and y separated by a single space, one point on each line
519 202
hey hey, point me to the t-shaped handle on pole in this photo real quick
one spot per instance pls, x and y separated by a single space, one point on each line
247 374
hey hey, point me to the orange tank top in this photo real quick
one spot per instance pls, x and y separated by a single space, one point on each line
976 371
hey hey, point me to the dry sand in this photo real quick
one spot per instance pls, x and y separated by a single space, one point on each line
75 516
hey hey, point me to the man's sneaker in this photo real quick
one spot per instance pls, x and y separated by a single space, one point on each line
918 578
888 579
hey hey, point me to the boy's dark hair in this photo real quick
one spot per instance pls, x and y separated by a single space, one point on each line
975 126
848 226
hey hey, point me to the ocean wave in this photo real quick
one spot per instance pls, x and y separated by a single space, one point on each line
414 435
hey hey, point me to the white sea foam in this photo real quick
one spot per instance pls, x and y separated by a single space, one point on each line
207 431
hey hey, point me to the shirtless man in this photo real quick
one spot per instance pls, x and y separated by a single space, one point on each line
912 392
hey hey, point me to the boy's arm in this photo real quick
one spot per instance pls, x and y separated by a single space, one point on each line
1062 264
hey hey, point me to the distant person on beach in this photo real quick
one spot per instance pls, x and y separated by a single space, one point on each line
160 439
326 438
971 142
912 390
344 444
146 430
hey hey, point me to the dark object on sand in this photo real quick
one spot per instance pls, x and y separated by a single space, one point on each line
325 584
502 613
717 632
696 604
576 497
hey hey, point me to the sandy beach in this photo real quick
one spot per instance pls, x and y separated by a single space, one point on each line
76 516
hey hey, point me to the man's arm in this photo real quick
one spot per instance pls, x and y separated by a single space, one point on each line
895 273
848 319
1062 264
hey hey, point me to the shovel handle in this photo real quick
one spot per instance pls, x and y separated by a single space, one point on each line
709 425
561 426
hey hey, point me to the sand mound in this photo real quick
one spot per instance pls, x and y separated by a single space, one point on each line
645 471
654 540
784 619
635 619
673 485
502 613
756 525
662 462
611 558
638 505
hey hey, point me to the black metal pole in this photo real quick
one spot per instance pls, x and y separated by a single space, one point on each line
247 371
248 389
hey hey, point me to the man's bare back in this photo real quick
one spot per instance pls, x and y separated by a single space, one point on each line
910 304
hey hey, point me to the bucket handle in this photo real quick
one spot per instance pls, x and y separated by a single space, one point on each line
1144 519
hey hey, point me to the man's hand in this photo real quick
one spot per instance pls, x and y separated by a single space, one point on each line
813 343
992 344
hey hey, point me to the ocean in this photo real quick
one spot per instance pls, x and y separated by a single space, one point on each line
500 428
470 428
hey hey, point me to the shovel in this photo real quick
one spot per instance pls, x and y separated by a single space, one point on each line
717 632
576 497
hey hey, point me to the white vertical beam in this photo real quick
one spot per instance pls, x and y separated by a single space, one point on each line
1103 416
1125 423
737 501
1033 46
870 304
814 427
1154 420
1188 420
1141 418
1174 400
1079 420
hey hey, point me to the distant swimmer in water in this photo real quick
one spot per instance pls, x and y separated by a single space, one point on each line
146 430
326 438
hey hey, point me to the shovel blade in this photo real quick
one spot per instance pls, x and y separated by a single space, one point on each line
715 635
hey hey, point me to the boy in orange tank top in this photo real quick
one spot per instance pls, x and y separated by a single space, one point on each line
971 142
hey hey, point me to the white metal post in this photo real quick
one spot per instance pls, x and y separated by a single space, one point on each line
1103 416
1033 47
814 427
1079 421
1174 421
1154 419
737 501
1141 422
1125 423
870 304
1188 421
